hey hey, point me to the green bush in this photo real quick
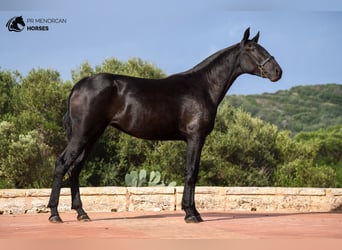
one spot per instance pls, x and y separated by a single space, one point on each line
240 151
303 173
26 161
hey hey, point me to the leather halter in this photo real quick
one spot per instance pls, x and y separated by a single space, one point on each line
261 66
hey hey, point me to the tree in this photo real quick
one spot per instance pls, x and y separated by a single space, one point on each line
39 103
240 150
304 173
34 120
298 166
328 145
25 160
133 67
7 81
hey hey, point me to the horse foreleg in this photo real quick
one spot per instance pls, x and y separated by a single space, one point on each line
194 148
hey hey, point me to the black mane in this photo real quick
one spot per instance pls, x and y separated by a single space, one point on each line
212 59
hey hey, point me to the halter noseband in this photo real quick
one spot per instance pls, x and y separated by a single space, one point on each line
261 66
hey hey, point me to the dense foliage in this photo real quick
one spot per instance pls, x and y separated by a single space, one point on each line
242 150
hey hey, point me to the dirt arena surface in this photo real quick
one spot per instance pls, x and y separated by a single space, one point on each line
168 231
170 225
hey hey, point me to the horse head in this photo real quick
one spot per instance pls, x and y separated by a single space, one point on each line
13 23
256 60
20 20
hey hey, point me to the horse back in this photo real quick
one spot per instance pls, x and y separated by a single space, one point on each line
158 109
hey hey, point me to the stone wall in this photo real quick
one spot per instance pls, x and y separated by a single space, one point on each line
116 199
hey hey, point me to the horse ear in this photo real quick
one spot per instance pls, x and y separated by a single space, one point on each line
256 38
245 37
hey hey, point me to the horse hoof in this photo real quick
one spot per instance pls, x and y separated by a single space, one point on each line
199 218
83 218
194 219
55 219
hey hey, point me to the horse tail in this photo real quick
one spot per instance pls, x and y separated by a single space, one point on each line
67 124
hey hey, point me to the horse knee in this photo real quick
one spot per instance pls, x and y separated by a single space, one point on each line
190 179
67 161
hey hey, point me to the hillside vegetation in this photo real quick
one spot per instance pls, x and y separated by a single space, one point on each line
302 108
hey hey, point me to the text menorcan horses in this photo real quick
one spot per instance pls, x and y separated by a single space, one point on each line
180 107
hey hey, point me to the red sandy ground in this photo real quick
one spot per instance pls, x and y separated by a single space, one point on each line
170 225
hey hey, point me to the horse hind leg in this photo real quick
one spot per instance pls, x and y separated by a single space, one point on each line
76 202
63 164
75 171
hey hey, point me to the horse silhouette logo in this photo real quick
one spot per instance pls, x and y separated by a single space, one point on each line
16 24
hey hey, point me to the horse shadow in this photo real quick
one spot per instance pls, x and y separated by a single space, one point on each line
210 216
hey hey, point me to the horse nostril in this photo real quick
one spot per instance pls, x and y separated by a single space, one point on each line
278 71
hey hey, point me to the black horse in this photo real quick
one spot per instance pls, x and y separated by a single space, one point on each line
180 107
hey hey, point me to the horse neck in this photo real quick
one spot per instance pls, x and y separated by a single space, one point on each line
220 74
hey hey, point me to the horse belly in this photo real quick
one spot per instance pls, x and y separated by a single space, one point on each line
153 123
